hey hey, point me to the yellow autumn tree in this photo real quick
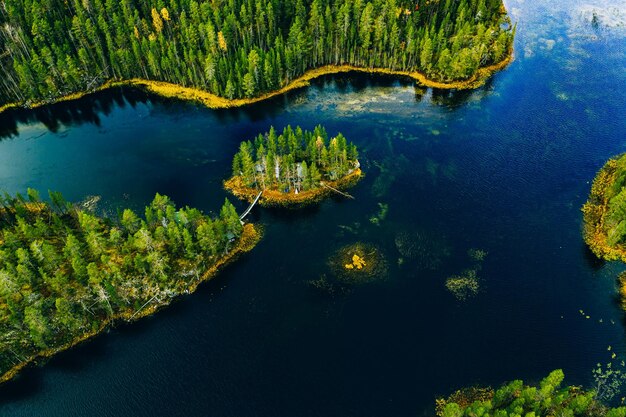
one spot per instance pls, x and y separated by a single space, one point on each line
165 14
221 41
156 21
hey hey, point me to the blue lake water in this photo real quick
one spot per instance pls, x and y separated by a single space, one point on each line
504 169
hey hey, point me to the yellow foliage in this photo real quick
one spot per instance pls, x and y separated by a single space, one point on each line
221 41
357 262
274 197
152 37
165 14
136 33
156 21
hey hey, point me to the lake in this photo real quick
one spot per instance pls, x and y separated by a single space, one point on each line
504 169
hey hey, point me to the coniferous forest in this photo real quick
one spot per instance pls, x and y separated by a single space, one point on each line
65 272
295 160
237 48
514 399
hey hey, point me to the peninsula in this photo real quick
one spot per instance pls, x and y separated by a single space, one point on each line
604 213
67 274
227 54
295 168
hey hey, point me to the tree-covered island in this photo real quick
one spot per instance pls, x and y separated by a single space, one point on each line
66 274
228 53
293 168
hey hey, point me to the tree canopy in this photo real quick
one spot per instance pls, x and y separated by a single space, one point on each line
516 399
237 48
296 159
64 270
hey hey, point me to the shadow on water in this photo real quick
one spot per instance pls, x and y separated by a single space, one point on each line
591 259
455 99
88 109
75 360
91 108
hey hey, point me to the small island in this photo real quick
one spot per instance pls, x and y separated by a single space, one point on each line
67 274
295 168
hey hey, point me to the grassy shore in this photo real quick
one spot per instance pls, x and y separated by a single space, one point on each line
249 238
213 101
275 198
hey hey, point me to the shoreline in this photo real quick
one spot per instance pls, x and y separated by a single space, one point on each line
595 210
275 198
212 101
249 238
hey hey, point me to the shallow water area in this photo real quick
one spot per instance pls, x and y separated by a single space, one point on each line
504 169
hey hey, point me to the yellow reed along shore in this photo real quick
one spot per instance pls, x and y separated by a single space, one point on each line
170 90
274 198
250 236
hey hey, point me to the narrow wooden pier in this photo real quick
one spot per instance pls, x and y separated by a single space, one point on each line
245 213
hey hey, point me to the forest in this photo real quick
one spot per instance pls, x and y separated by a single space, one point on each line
237 48
605 211
295 160
66 271
516 399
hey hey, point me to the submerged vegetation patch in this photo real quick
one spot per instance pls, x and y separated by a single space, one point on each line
294 168
428 250
358 263
467 284
66 274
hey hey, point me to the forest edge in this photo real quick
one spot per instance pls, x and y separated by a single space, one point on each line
250 236
170 90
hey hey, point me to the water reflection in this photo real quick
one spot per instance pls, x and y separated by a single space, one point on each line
88 109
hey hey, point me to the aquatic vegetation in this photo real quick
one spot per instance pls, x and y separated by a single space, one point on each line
477 255
90 203
427 249
608 380
297 167
548 398
381 215
464 286
353 229
358 263
66 274
329 287
390 169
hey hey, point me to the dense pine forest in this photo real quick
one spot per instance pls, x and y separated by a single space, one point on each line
516 399
237 48
296 160
65 271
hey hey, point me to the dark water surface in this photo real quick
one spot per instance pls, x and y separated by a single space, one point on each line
504 169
